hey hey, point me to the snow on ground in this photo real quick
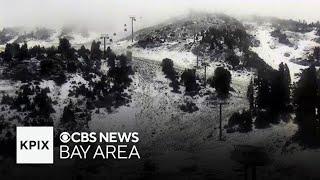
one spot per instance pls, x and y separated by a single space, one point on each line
2 46
181 60
176 132
8 87
273 52
60 94
77 40
191 138
155 113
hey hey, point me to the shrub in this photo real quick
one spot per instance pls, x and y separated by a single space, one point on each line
221 81
188 78
169 71
233 60
189 107
240 121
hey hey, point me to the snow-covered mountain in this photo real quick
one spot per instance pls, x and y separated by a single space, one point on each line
239 45
295 54
46 37
182 39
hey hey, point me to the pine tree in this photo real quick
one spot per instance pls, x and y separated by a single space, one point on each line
7 55
65 49
24 54
84 53
188 78
263 90
111 58
222 80
307 101
96 53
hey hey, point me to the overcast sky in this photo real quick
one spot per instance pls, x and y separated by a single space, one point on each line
112 14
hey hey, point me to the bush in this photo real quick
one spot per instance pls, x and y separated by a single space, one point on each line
169 71
189 107
60 79
65 49
167 67
72 66
221 81
22 73
48 67
42 104
233 60
111 58
263 120
75 118
68 115
281 37
241 122
316 53
84 53
6 99
96 53
188 78
149 42
252 60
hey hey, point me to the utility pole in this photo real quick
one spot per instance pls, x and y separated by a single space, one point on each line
104 37
194 36
194 31
205 72
197 52
220 123
220 119
132 19
197 59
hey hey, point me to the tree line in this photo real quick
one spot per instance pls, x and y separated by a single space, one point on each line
34 105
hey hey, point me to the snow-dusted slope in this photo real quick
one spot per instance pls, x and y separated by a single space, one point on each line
191 138
46 37
76 40
273 53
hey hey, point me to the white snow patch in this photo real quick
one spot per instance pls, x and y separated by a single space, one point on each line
273 52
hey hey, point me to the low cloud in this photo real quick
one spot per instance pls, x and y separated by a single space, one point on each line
111 15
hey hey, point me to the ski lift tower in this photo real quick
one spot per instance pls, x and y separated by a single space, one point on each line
221 103
205 65
104 37
133 18
195 24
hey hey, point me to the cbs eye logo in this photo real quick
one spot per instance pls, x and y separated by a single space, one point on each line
78 137
65 137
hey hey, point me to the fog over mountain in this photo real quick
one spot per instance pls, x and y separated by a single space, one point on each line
110 15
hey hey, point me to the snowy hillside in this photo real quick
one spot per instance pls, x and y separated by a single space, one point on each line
46 37
182 39
274 52
85 87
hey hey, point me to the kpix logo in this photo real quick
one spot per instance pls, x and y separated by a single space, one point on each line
34 145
